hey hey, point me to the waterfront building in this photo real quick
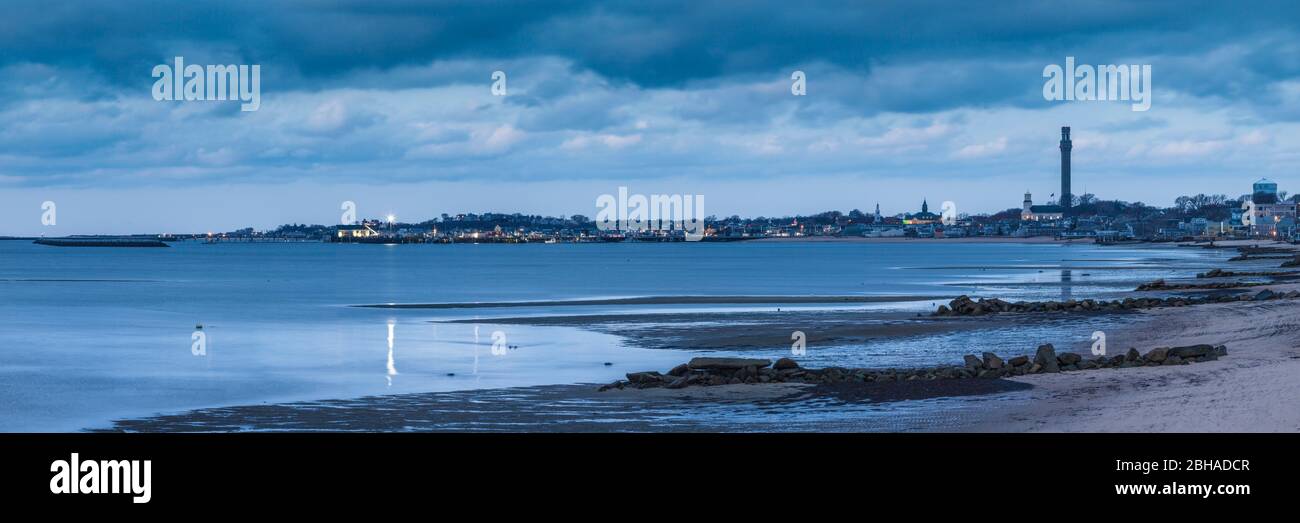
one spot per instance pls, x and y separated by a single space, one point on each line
361 231
1272 217
1277 220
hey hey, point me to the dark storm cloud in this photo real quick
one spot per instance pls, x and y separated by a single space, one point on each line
398 90
650 44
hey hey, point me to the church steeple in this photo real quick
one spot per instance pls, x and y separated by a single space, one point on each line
925 207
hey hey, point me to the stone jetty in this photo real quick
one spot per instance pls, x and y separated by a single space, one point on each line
730 371
965 306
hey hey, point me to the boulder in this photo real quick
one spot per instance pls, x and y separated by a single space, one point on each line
1069 358
1155 285
785 364
644 377
1132 355
1157 355
1264 295
726 363
972 362
1018 361
1173 359
992 361
1046 357
680 370
1192 351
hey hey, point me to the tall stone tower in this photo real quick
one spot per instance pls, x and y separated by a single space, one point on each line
1066 145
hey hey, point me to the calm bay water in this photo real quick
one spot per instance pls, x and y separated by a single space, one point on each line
88 335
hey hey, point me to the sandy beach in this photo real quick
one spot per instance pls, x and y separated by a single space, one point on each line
1254 389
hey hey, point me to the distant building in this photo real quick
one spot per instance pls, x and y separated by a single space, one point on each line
884 231
1040 213
924 217
347 232
1271 216
1275 219
1264 191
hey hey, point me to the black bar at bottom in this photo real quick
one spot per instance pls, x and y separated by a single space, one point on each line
395 470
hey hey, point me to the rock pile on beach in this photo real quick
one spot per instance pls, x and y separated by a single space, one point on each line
965 306
1220 273
731 371
1161 285
1251 257
1265 250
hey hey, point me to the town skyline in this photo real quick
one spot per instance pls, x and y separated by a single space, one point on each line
426 213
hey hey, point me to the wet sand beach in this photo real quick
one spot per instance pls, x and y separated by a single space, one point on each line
787 407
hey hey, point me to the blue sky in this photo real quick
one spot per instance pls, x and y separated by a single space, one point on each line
388 104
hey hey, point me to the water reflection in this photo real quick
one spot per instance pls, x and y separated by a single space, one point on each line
1066 284
392 367
475 350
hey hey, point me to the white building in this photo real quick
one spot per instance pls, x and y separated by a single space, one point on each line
1040 213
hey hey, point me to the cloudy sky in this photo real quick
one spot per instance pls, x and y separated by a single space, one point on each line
389 104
